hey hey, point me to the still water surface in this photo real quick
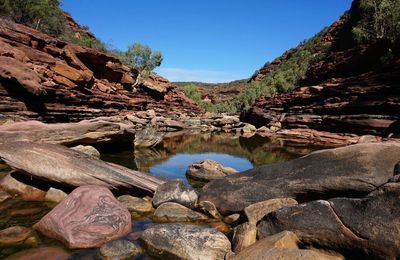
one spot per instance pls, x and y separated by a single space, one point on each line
169 159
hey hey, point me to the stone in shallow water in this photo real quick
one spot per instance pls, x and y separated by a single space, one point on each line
181 241
17 235
42 253
208 170
88 217
174 212
175 191
136 205
119 249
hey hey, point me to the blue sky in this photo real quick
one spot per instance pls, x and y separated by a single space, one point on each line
207 40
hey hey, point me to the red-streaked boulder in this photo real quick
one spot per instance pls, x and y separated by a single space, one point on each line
88 217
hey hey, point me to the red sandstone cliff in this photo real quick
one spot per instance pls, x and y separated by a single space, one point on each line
54 81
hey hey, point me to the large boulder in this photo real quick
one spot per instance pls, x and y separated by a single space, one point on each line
180 241
207 170
363 227
96 131
73 168
175 191
350 171
88 217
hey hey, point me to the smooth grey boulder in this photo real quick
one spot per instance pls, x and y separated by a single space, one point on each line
361 228
355 170
180 241
175 191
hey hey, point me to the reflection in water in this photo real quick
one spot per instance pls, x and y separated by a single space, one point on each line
176 166
169 159
177 151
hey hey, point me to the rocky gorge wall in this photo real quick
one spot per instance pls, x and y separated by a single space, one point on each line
362 104
352 88
50 80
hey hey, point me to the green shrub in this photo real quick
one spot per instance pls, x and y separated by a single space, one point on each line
379 20
43 15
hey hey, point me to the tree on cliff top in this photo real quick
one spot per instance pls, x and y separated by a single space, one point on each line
42 15
141 58
380 20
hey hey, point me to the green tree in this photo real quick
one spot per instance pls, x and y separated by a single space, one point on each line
142 58
42 15
380 19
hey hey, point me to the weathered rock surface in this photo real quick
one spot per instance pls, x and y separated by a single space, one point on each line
209 208
54 81
88 217
257 211
136 205
42 253
364 104
4 195
87 149
174 212
55 195
358 227
208 170
175 191
17 235
26 192
348 91
244 236
282 246
73 168
350 171
148 137
180 241
119 249
96 131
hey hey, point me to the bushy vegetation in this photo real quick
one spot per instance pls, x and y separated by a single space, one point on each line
43 15
284 76
192 91
380 20
48 17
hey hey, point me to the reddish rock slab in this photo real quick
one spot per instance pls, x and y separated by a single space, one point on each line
89 217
